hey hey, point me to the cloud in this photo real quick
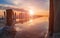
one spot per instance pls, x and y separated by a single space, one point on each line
36 5
14 2
3 6
42 4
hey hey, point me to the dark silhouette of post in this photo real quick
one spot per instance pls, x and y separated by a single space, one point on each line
54 22
4 14
15 17
51 19
56 33
9 23
9 14
21 17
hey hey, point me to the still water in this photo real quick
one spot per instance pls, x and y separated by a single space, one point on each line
34 28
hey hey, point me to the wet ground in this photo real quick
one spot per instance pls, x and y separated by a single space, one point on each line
34 28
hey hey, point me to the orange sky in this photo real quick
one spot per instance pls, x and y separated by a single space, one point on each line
41 12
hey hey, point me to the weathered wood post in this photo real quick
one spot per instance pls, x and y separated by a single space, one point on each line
9 23
56 29
9 14
51 19
54 23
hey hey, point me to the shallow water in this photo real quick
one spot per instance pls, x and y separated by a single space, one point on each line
34 28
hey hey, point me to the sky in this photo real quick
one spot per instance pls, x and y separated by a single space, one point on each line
39 6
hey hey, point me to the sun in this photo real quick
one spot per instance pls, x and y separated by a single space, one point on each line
31 12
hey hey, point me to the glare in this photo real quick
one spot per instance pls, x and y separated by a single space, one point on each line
31 12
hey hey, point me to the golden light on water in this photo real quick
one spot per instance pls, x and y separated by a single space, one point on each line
17 19
30 20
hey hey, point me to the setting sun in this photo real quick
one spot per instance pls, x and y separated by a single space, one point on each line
31 12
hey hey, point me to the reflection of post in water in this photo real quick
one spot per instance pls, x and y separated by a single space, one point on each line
9 23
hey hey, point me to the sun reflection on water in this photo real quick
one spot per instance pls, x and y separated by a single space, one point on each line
30 20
